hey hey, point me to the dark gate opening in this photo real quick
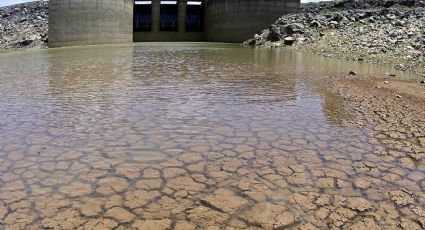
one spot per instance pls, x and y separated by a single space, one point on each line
168 19
194 16
142 16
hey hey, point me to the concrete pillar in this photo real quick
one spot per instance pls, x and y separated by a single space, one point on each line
181 15
156 13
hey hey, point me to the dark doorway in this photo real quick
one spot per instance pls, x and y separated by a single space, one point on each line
142 16
168 19
194 16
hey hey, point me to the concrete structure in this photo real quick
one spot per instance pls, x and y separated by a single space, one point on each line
239 20
81 22
86 22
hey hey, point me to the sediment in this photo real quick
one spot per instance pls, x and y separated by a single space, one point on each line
383 32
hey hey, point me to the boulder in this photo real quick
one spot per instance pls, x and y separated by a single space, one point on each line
289 41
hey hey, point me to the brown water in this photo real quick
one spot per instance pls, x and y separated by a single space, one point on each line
188 136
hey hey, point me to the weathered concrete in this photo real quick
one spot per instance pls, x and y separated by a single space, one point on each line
235 20
86 22
82 22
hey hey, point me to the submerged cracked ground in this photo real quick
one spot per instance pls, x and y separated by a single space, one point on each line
192 136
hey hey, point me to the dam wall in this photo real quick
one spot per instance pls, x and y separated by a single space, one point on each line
237 20
88 22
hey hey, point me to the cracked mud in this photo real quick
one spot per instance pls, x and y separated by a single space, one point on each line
201 141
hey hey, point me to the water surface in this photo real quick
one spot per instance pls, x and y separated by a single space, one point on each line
186 135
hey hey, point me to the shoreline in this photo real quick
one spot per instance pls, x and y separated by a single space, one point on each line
364 30
392 110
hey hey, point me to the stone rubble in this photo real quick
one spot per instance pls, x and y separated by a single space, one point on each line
24 25
390 32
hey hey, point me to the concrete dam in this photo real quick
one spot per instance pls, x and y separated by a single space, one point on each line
88 22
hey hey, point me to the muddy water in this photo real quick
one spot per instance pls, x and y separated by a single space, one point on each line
189 136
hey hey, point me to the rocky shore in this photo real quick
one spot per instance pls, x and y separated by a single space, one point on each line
388 32
24 25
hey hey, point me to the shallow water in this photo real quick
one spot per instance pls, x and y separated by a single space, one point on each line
181 135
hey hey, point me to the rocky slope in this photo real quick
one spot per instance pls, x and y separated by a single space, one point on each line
23 25
388 32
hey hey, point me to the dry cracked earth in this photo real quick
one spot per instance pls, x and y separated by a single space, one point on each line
242 167
235 177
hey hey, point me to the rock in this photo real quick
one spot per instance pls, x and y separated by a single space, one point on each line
352 73
315 24
399 23
294 28
338 17
334 24
274 34
289 41
25 42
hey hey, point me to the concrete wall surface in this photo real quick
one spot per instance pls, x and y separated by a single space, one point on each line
87 22
238 20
